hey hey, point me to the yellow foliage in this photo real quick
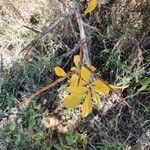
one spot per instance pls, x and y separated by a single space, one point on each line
73 100
100 87
84 89
76 60
74 87
92 5
85 74
118 87
96 98
93 68
87 105
60 72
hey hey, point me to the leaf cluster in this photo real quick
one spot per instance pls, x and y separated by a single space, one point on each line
83 87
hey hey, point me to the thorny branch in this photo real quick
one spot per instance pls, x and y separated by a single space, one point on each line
84 53
83 45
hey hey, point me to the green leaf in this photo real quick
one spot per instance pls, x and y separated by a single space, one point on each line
147 58
38 137
12 127
145 81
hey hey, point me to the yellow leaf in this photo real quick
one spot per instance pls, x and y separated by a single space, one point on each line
73 68
91 7
96 98
87 105
100 87
93 68
85 74
74 87
73 100
118 87
74 80
76 60
60 72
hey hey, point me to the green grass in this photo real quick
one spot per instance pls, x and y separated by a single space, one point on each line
114 144
28 132
24 79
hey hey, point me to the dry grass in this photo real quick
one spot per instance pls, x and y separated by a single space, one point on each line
14 14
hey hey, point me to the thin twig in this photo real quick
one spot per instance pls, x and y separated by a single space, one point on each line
26 101
72 51
29 28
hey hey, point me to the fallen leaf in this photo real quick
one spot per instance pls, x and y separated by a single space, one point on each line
92 5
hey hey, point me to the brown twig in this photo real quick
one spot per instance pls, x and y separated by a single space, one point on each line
26 101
